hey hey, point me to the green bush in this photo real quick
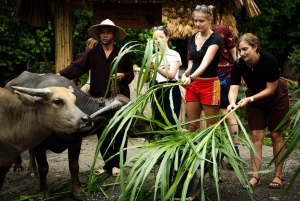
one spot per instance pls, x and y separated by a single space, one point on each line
295 59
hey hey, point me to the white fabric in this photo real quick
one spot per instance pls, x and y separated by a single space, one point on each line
170 57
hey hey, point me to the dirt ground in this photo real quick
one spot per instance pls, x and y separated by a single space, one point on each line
21 183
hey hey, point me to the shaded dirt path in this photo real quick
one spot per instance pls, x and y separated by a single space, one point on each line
21 183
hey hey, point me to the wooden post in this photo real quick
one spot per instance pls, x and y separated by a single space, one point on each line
63 34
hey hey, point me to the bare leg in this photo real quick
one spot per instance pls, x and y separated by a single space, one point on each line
193 110
232 124
211 110
277 141
257 140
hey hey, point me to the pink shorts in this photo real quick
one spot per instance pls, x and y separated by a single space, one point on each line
206 91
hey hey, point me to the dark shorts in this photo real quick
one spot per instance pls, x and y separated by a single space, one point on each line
269 111
224 94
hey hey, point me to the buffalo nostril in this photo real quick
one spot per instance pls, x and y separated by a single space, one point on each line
85 119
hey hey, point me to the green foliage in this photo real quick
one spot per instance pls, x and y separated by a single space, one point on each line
292 142
17 45
81 21
295 58
292 86
278 26
14 43
43 68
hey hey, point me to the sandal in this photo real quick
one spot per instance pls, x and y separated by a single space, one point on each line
115 171
276 185
100 171
256 184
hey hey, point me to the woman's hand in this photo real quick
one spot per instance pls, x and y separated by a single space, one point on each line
244 102
186 81
232 106
151 67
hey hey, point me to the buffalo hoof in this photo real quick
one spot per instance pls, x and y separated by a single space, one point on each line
81 196
42 195
33 172
18 168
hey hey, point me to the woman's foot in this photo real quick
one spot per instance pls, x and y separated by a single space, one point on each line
254 182
115 171
277 183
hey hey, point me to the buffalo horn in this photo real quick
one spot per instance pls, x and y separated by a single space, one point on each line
115 105
71 89
43 92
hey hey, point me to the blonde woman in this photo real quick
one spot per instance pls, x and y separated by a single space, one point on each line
203 85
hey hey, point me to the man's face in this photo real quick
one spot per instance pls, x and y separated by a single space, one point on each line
105 33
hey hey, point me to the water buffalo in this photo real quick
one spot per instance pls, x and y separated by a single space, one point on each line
58 142
30 115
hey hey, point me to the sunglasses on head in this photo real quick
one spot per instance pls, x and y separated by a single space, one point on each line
158 28
204 9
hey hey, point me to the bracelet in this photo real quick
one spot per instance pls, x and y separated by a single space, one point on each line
251 99
192 79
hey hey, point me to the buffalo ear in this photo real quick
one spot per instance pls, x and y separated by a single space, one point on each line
28 100
71 89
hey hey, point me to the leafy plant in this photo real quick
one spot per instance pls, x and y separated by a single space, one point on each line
179 150
293 139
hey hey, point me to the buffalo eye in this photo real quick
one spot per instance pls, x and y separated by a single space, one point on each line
58 101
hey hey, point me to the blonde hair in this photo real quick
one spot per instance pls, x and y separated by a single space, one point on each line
249 38
208 14
90 43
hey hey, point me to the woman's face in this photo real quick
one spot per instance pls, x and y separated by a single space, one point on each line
201 22
246 51
160 37
105 33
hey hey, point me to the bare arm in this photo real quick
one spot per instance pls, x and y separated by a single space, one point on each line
187 72
232 96
171 72
233 54
209 55
270 89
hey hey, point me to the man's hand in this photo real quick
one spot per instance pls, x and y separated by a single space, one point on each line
119 77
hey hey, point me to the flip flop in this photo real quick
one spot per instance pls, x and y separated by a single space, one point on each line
276 185
100 171
115 172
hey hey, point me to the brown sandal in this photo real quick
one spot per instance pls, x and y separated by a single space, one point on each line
256 184
277 185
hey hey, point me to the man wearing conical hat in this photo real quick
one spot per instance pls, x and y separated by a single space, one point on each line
98 60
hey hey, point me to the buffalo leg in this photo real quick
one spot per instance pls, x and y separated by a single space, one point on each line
43 169
3 172
18 164
73 154
32 164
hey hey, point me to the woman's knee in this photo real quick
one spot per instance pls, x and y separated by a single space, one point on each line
276 137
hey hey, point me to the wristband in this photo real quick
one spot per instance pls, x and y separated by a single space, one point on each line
251 98
192 79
